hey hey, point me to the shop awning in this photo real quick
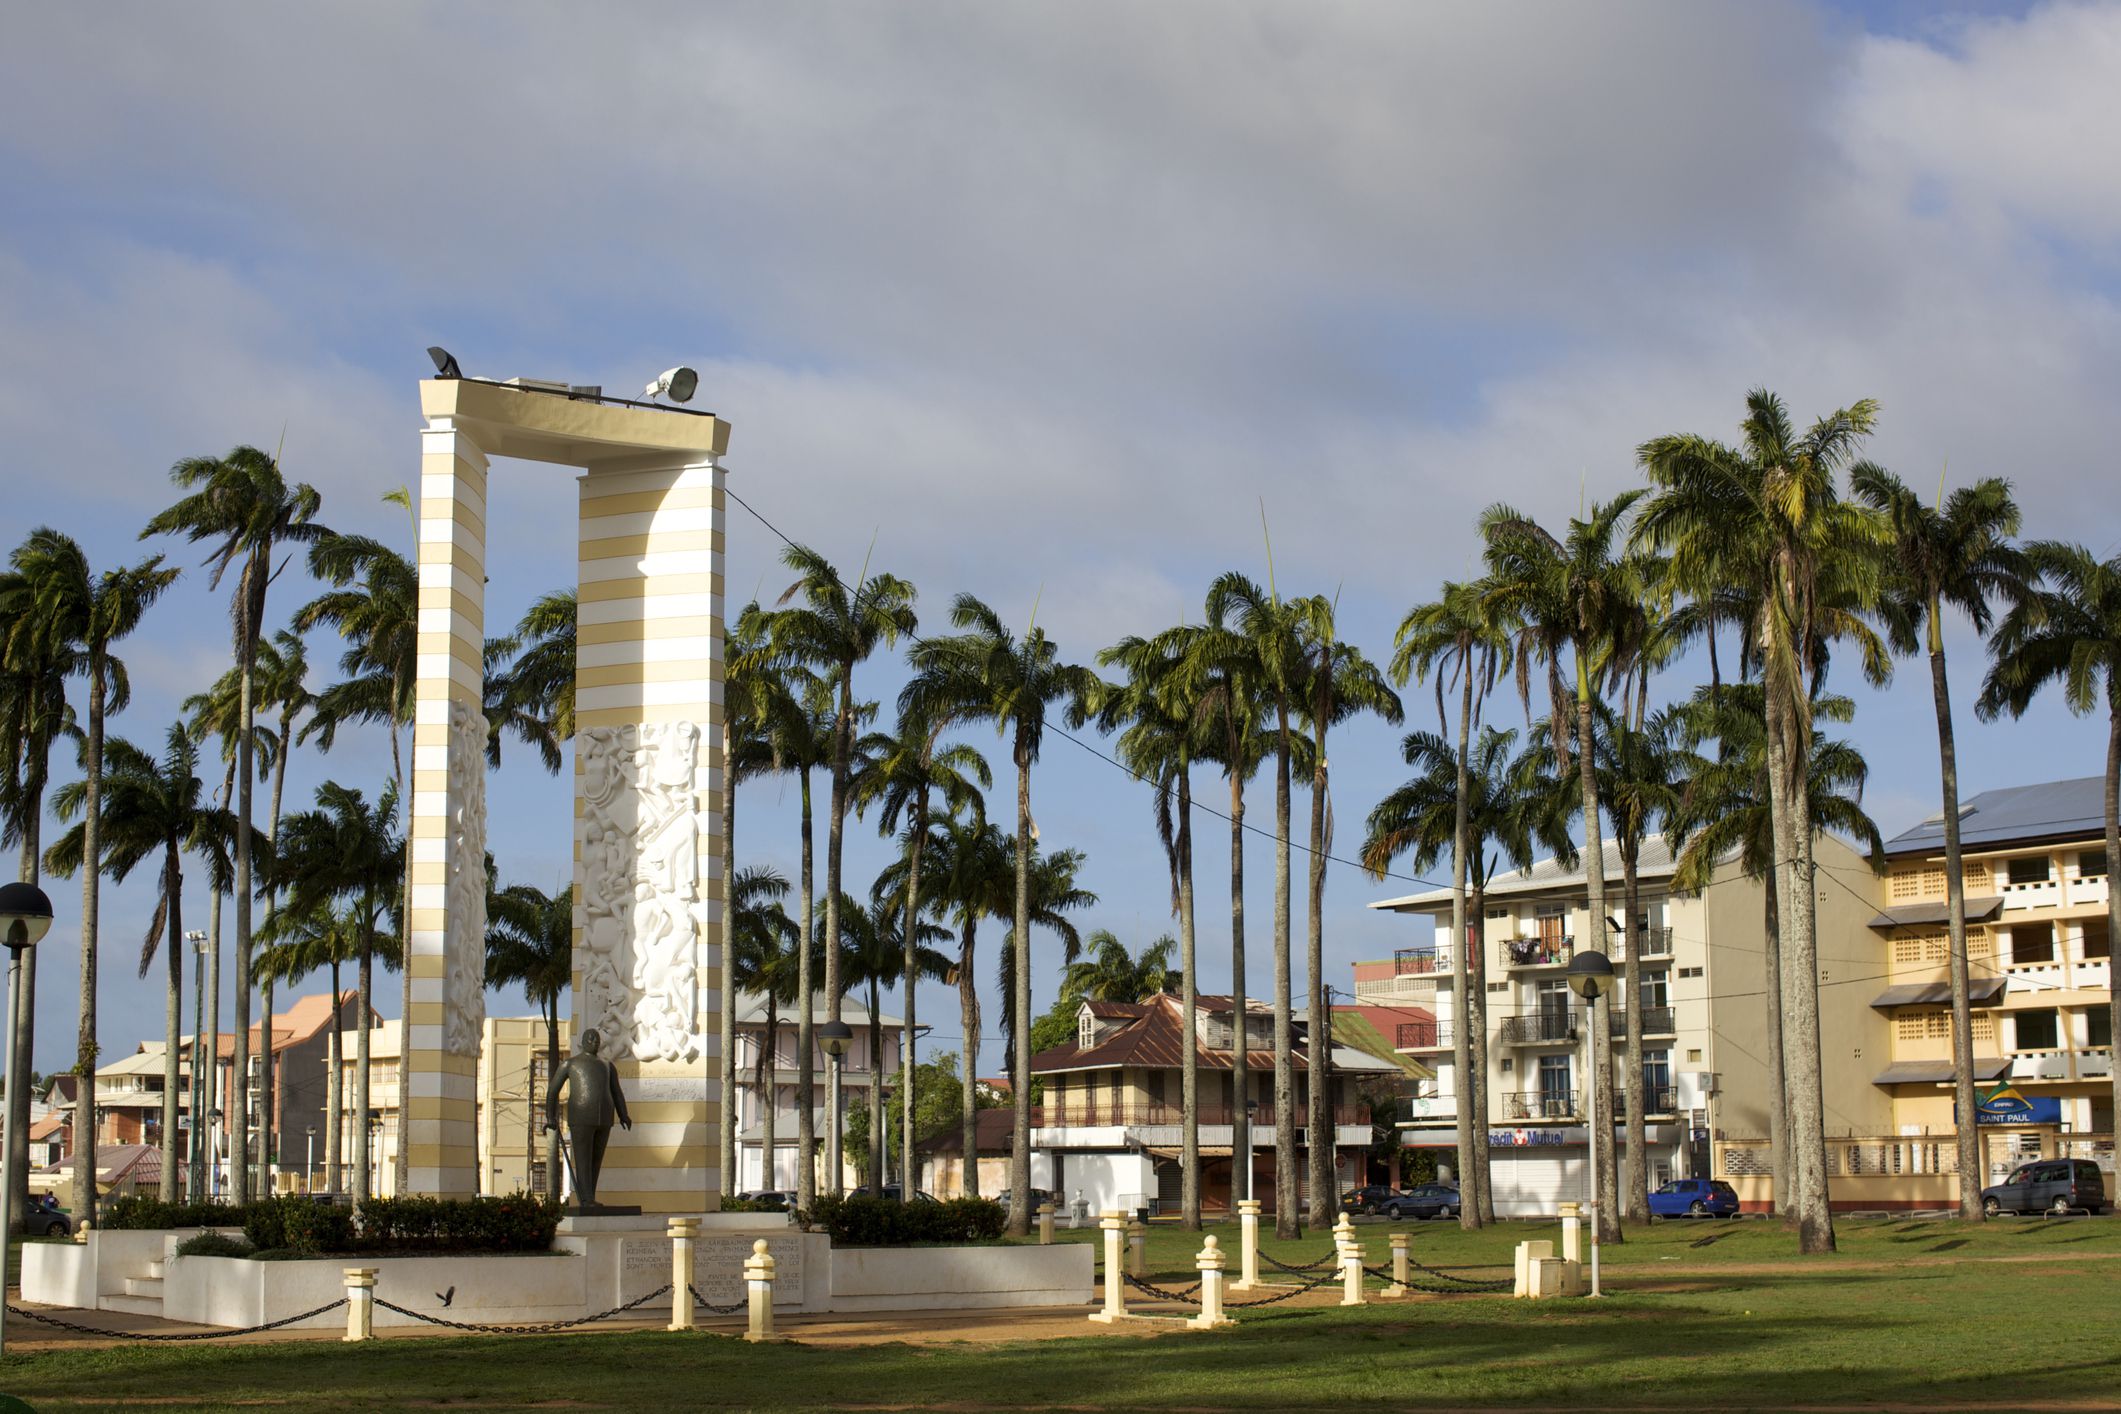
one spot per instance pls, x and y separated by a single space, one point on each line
1936 1072
1936 911
1981 990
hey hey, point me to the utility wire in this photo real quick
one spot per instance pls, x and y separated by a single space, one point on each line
1099 753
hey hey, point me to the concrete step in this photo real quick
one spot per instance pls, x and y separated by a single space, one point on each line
154 1269
137 1305
144 1287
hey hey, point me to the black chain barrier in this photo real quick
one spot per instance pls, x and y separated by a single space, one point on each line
42 1319
1324 1279
1470 1283
541 1328
1190 1294
1469 1288
1329 1260
709 1306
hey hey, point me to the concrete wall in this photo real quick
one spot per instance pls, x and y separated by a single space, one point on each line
1104 1180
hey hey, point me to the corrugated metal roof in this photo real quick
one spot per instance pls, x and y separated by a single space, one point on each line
1932 1072
2048 810
1912 915
1656 863
1155 1040
1981 990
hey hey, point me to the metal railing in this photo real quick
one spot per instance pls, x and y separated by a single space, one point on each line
1656 1021
1540 1028
1538 952
1424 1035
1649 942
1539 1104
1662 1100
1420 962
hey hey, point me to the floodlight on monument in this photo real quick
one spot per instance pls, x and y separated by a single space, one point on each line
25 915
1590 974
677 384
445 362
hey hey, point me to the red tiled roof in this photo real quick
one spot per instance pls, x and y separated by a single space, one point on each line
1117 1008
1155 1040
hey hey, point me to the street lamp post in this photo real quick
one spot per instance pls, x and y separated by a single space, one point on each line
834 1037
1591 976
204 1053
1251 1115
213 1154
309 1162
25 917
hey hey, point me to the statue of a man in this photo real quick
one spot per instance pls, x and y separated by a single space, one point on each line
594 1099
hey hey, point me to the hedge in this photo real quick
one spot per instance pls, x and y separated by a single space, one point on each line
298 1225
884 1222
137 1211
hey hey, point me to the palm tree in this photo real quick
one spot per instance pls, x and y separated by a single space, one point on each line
1109 973
1957 554
296 942
1054 895
530 940
214 714
900 775
34 666
764 957
747 753
1500 808
281 680
875 957
153 810
1459 638
348 852
1339 683
242 504
974 879
988 673
1158 739
2067 631
1767 517
91 612
1577 592
533 695
835 629
1725 809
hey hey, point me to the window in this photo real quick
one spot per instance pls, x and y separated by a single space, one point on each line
2098 1027
1656 1079
2091 864
1554 1076
1656 990
2098 941
2032 942
2038 1030
1156 1087
2031 870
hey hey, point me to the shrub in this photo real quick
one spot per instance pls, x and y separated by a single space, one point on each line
517 1222
883 1222
140 1212
214 1244
298 1224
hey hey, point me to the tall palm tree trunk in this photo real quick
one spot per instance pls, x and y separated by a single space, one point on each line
239 1101
1287 1214
1788 779
552 1070
1600 1082
1635 1197
1472 1178
763 1087
20 1058
335 1086
172 1011
876 1095
909 971
1969 1132
268 1145
215 1090
1189 1003
2113 877
1240 1041
1477 1022
835 833
805 1044
726 1008
1020 1080
1778 1105
968 1010
1320 1123
364 980
91 895
401 1166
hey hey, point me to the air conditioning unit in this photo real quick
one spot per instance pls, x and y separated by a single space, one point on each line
1711 1082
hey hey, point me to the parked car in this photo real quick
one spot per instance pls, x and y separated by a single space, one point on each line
1369 1199
771 1199
892 1192
1694 1198
1038 1196
1430 1200
2048 1186
46 1218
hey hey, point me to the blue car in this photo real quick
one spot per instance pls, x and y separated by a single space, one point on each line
1694 1198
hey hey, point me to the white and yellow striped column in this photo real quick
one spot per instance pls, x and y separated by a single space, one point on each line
650 669
440 1110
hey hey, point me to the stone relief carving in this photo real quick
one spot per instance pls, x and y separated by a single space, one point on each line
464 973
643 914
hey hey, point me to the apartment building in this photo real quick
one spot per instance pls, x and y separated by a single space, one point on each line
1704 1079
514 1080
870 1061
2039 957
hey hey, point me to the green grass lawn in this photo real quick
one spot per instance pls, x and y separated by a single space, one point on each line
1920 1314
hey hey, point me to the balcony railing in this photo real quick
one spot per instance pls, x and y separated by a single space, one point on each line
1539 1104
1420 962
1539 952
1656 1021
1540 1028
1424 1035
1649 942
1663 1100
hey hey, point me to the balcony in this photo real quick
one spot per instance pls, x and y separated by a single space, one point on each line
1424 1036
1431 1108
1539 1104
1663 1100
1538 952
2095 1064
1421 962
2040 1065
1541 1028
1656 1021
1650 943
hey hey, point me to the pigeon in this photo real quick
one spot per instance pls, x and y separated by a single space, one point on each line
445 1297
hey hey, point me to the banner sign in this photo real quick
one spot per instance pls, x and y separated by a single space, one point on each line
2005 1105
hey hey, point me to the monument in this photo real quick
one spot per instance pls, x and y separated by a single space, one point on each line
595 1098
647 751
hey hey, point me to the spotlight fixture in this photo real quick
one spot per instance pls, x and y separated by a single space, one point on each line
677 384
445 362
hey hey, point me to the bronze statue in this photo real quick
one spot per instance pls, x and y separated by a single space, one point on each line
594 1099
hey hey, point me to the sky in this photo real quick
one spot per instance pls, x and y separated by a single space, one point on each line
1063 306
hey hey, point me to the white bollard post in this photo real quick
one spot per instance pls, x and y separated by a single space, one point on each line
1115 1228
1247 1245
758 1283
1571 1232
1401 1242
1210 1262
1045 1224
1137 1249
360 1303
682 1231
1351 1257
1343 1231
